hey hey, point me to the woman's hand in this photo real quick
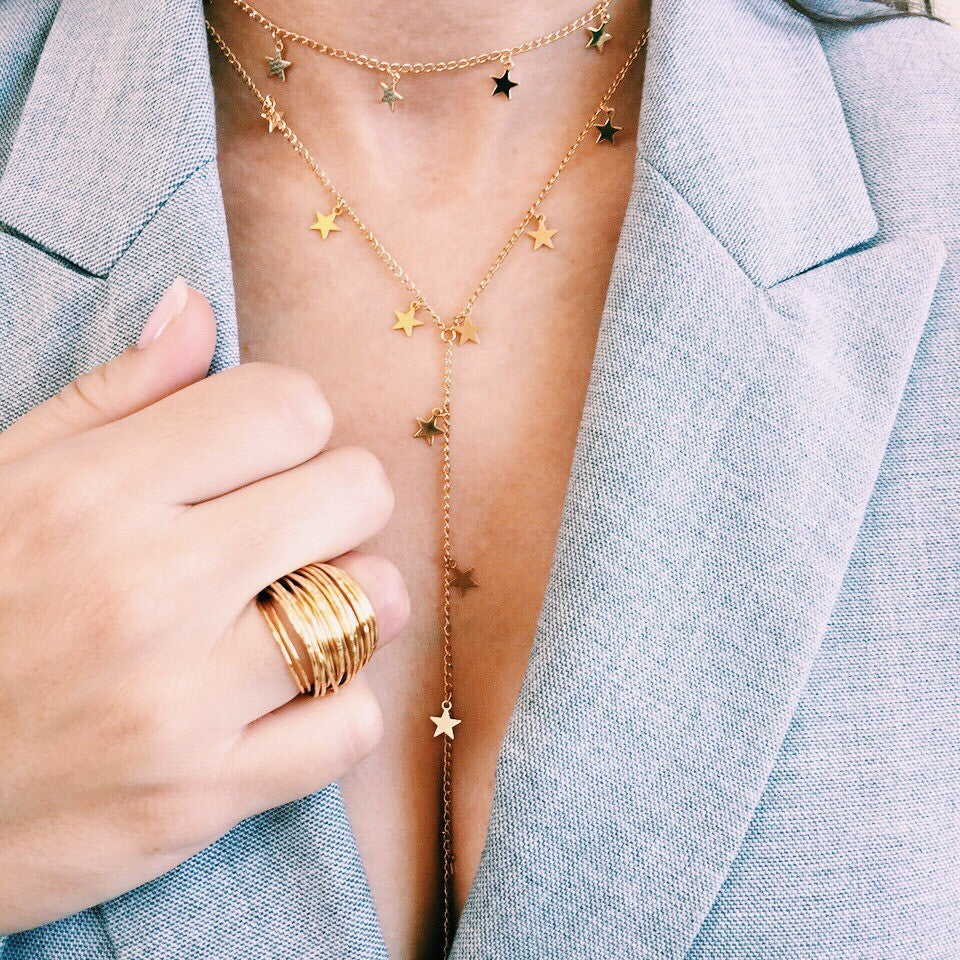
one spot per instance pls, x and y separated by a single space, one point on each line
144 707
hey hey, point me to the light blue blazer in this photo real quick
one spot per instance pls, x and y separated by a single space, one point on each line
738 737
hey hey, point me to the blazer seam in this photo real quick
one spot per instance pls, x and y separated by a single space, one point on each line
171 193
104 929
675 190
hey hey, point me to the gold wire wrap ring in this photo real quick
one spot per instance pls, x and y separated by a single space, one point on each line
323 625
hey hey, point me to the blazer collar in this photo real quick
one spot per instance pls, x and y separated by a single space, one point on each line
750 361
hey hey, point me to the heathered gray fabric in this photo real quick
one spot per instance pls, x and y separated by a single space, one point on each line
739 733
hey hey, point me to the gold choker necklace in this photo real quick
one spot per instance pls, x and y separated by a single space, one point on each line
594 21
459 331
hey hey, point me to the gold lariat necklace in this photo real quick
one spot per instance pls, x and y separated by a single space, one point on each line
460 329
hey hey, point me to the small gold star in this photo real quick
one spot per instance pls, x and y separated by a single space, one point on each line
503 84
428 429
445 723
462 579
389 95
542 237
607 130
271 114
598 37
278 66
407 321
468 330
325 224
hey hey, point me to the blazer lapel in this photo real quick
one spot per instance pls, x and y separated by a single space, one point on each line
751 358
120 113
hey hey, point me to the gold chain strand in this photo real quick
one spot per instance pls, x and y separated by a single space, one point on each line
341 205
446 485
396 69
441 416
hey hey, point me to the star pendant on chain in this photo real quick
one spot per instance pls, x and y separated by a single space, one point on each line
445 723
467 330
503 84
607 130
428 429
325 223
462 579
277 66
597 37
542 237
271 114
389 95
406 321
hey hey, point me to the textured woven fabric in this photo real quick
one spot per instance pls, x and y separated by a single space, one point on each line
739 733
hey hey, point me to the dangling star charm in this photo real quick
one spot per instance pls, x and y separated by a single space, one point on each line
607 130
428 429
277 66
598 37
389 95
467 330
325 224
445 723
407 321
503 84
462 579
542 237
271 114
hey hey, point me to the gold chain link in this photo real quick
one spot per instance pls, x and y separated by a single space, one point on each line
396 69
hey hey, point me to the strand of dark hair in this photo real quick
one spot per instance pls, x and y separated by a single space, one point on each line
898 8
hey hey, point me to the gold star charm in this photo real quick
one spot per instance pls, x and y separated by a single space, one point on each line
542 237
429 428
607 130
389 95
503 85
445 723
407 321
277 66
271 114
325 224
468 330
462 579
598 37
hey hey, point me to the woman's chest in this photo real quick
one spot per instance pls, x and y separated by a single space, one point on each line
328 306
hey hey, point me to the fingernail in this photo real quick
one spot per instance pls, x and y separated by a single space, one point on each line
168 308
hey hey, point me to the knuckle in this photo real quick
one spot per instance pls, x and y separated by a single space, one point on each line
62 495
168 807
294 401
84 396
367 481
125 617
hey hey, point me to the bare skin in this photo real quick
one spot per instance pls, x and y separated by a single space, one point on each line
450 171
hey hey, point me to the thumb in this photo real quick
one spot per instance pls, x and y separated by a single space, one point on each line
174 350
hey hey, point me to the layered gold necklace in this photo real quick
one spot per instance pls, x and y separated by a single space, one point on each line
460 329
